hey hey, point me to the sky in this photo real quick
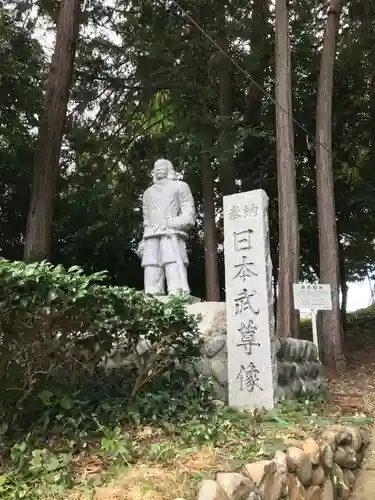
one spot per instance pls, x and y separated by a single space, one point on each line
359 295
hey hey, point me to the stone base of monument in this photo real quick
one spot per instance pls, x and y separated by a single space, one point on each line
190 299
295 361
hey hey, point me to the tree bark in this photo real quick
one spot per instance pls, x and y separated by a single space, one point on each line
210 237
344 289
289 259
227 173
209 219
372 120
331 334
46 167
259 29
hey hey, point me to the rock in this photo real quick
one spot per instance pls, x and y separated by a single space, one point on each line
329 436
255 471
297 443
235 486
296 489
359 458
280 393
255 495
313 385
281 462
356 438
313 493
219 371
214 346
300 370
288 393
313 352
327 490
277 344
296 386
290 349
313 369
317 475
342 491
286 371
299 463
312 450
274 482
345 457
213 318
337 473
210 490
326 455
343 434
349 478
366 436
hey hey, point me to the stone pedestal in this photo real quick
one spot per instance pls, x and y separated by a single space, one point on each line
166 298
252 366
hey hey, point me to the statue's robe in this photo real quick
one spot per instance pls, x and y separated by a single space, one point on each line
168 210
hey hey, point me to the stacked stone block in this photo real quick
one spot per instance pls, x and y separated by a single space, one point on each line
299 369
313 469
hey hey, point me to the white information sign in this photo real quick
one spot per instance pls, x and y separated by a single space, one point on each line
316 297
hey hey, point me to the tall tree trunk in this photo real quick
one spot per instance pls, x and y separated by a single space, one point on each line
259 29
210 240
331 335
227 173
372 119
46 169
274 287
209 219
289 260
344 289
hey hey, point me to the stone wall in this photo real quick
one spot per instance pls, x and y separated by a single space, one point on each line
296 361
298 367
314 469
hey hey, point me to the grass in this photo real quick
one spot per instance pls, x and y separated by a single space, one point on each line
165 465
162 446
170 466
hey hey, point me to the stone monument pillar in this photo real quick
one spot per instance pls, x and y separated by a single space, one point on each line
252 367
168 215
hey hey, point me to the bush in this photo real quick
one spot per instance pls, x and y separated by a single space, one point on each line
56 326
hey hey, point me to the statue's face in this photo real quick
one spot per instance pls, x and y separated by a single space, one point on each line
161 170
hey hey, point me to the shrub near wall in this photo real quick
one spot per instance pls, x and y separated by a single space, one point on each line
58 324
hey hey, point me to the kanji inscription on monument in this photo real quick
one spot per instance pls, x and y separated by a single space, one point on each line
249 301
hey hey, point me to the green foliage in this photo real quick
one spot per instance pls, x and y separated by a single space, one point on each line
57 326
46 460
146 84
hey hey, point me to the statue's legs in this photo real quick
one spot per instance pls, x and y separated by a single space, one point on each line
154 280
176 279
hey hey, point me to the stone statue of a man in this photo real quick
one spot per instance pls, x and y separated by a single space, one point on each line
168 214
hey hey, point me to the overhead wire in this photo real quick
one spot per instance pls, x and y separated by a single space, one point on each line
254 82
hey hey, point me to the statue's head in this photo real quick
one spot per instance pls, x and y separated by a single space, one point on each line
163 169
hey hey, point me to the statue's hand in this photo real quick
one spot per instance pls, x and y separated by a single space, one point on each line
176 225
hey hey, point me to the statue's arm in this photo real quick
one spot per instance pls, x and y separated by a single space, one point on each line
186 219
145 211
